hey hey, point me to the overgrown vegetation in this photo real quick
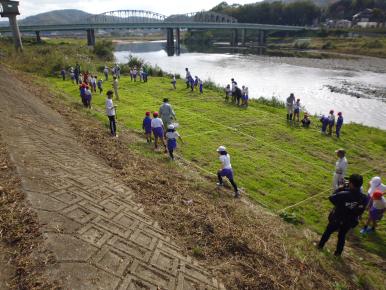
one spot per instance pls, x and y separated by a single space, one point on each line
104 49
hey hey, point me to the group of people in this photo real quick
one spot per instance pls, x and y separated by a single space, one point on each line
329 122
191 83
350 203
236 95
115 71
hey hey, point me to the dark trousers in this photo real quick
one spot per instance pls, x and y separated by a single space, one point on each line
220 180
338 131
342 229
113 126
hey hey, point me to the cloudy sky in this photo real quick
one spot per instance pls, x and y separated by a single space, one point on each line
167 7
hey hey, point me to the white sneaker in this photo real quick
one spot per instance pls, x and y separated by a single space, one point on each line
220 184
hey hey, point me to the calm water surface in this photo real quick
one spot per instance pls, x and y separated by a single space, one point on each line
266 78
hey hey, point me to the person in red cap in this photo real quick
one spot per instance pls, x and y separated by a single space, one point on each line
146 126
339 124
331 122
157 127
377 207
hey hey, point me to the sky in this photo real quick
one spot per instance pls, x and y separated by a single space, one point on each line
166 7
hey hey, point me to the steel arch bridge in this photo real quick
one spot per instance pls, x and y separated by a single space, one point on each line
142 16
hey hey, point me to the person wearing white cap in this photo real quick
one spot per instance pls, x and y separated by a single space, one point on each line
376 184
226 170
340 169
171 137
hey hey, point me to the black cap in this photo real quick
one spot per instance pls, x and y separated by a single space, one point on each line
109 93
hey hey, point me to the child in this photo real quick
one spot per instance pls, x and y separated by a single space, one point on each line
87 98
376 207
226 170
157 126
82 89
171 137
174 82
297 110
331 122
144 75
106 73
110 112
100 86
228 93
245 97
196 79
94 83
306 122
63 73
131 74
146 126
141 75
324 120
339 124
72 75
135 72
201 85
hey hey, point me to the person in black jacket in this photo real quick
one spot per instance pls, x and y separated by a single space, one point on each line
350 203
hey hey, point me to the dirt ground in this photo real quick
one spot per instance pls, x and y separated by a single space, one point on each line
243 245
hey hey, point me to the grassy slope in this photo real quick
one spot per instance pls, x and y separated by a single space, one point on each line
277 165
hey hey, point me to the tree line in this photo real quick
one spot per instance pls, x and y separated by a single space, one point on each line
301 13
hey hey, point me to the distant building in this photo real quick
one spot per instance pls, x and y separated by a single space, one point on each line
343 23
366 19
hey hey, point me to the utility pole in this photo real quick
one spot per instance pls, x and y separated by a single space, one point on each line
10 9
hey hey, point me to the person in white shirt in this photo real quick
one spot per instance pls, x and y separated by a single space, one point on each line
110 112
226 170
116 86
376 184
377 207
157 126
290 106
171 137
340 169
297 108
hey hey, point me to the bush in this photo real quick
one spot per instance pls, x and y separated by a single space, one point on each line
273 102
373 44
104 49
302 44
328 45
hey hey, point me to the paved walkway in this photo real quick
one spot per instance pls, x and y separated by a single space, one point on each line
100 237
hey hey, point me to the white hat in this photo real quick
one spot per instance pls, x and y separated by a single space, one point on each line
221 149
171 127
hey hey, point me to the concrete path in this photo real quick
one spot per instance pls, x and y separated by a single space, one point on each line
99 236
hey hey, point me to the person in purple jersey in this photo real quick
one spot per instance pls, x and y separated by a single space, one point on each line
339 124
146 126
226 170
157 127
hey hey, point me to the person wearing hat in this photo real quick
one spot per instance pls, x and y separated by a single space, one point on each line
339 124
340 169
226 170
157 126
171 137
110 112
306 122
146 126
349 205
377 207
166 113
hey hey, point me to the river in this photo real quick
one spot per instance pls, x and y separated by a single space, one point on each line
351 87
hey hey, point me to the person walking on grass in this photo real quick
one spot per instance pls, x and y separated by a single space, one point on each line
233 89
349 205
226 170
100 86
174 82
146 126
88 98
94 83
116 87
290 106
110 112
157 126
188 76
166 113
201 86
339 124
171 137
331 122
106 73
63 74
340 169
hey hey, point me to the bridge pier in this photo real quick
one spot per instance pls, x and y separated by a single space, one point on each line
38 38
90 37
262 38
15 32
178 41
235 38
169 41
243 35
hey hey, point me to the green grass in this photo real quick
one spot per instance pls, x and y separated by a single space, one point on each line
277 165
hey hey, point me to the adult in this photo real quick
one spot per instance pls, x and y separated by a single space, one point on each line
116 87
331 122
233 88
117 71
167 113
77 74
226 170
340 169
290 106
188 78
106 73
349 205
110 112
